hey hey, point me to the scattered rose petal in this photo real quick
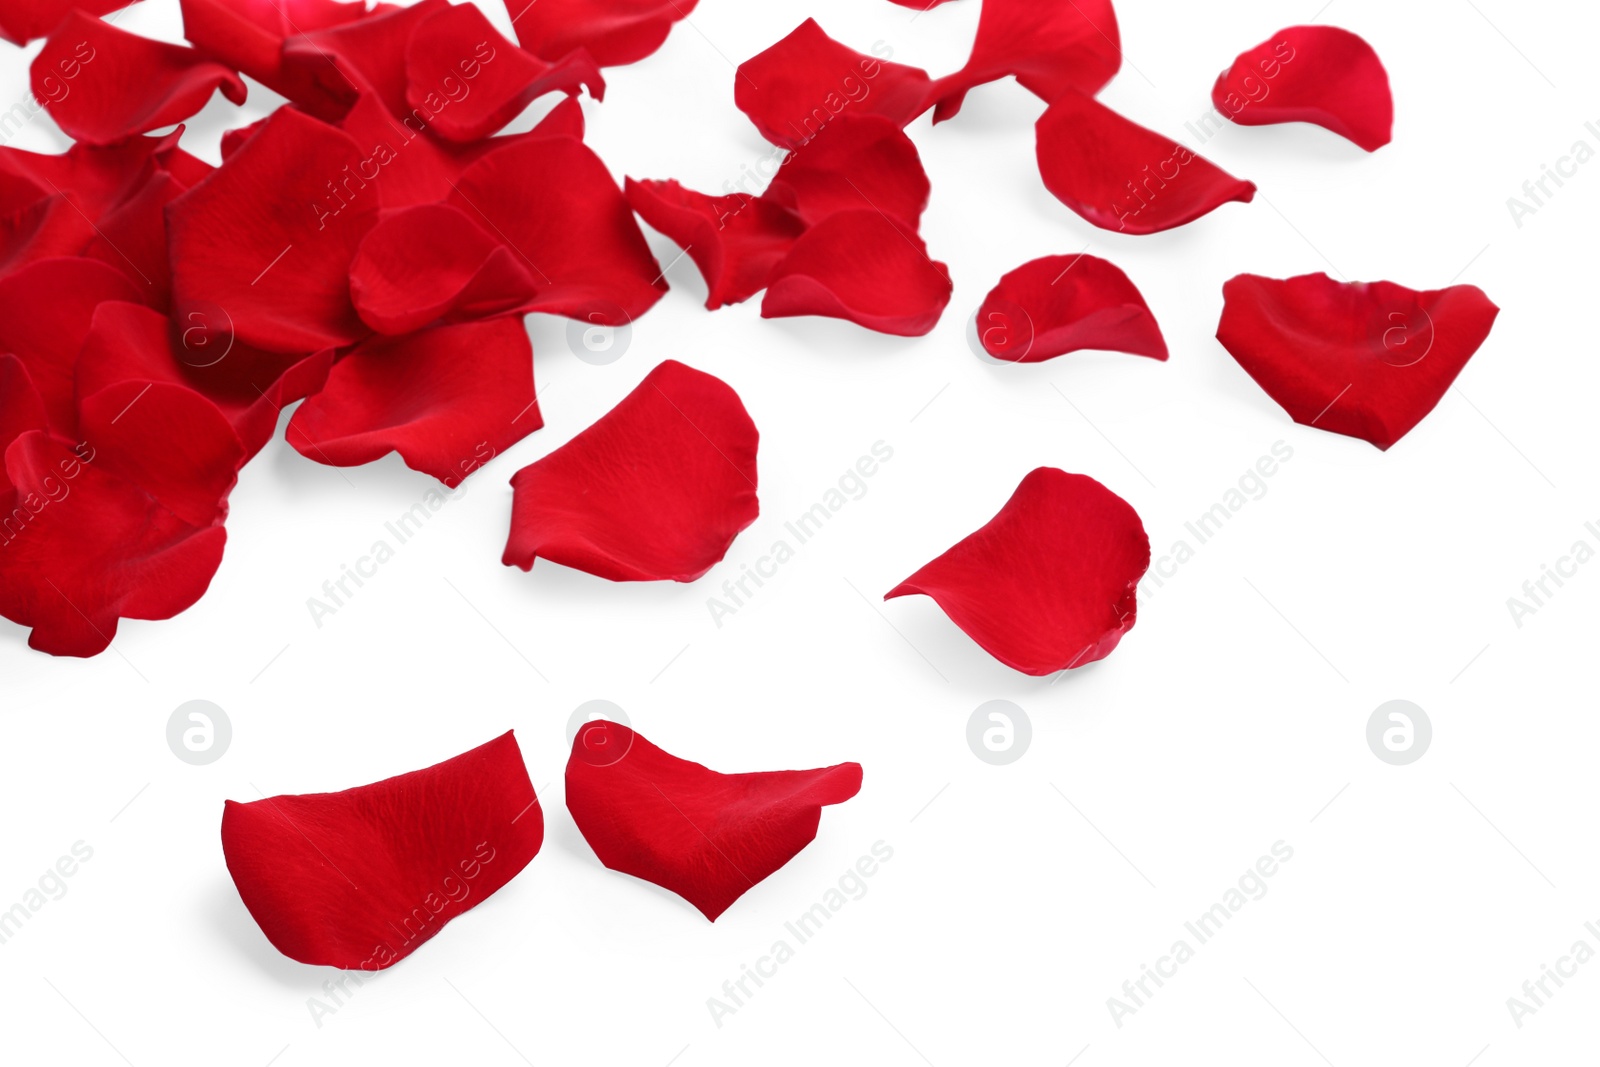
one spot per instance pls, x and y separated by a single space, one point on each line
1365 359
1051 47
21 407
1058 304
24 20
132 238
858 161
614 32
707 837
1317 74
735 240
656 489
1049 583
249 36
359 879
1121 176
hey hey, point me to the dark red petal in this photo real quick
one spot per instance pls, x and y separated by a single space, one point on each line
132 238
581 244
21 408
269 237
707 837
354 57
1052 47
614 32
428 262
796 87
80 548
1049 583
656 489
864 267
1058 304
1317 74
135 84
447 399
735 239
359 879
24 20
1366 359
1121 176
858 161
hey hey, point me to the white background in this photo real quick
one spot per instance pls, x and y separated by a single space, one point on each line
1019 898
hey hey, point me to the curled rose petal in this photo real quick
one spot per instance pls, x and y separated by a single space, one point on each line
1058 304
1121 176
1317 74
614 32
655 490
269 236
359 879
1051 46
735 239
1365 359
355 57
857 161
102 84
24 20
864 267
447 399
81 548
799 85
1049 583
707 837
249 36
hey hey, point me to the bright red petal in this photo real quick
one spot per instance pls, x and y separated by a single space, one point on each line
1051 46
799 85
1366 359
656 489
614 32
1059 304
1049 583
21 408
858 161
1121 176
359 879
24 20
707 837
1317 74
447 399
864 267
735 240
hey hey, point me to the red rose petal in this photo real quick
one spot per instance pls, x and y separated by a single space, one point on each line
21 407
1058 304
135 84
341 62
735 240
447 399
614 32
1317 74
249 36
864 267
1121 176
1049 583
269 236
858 161
24 20
457 47
81 548
1051 48
655 490
132 238
1365 359
707 837
582 244
361 878
799 85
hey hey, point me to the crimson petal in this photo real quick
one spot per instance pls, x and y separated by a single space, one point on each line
857 161
359 879
1317 74
656 489
1365 359
736 240
1049 583
24 20
1058 304
614 32
707 837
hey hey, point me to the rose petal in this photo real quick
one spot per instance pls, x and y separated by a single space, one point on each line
1058 304
656 489
269 237
21 407
707 837
1049 583
1365 359
796 87
24 20
864 267
249 36
1050 46
614 32
447 400
132 238
81 548
1317 74
856 162
129 84
735 240
361 878
1121 176
339 63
